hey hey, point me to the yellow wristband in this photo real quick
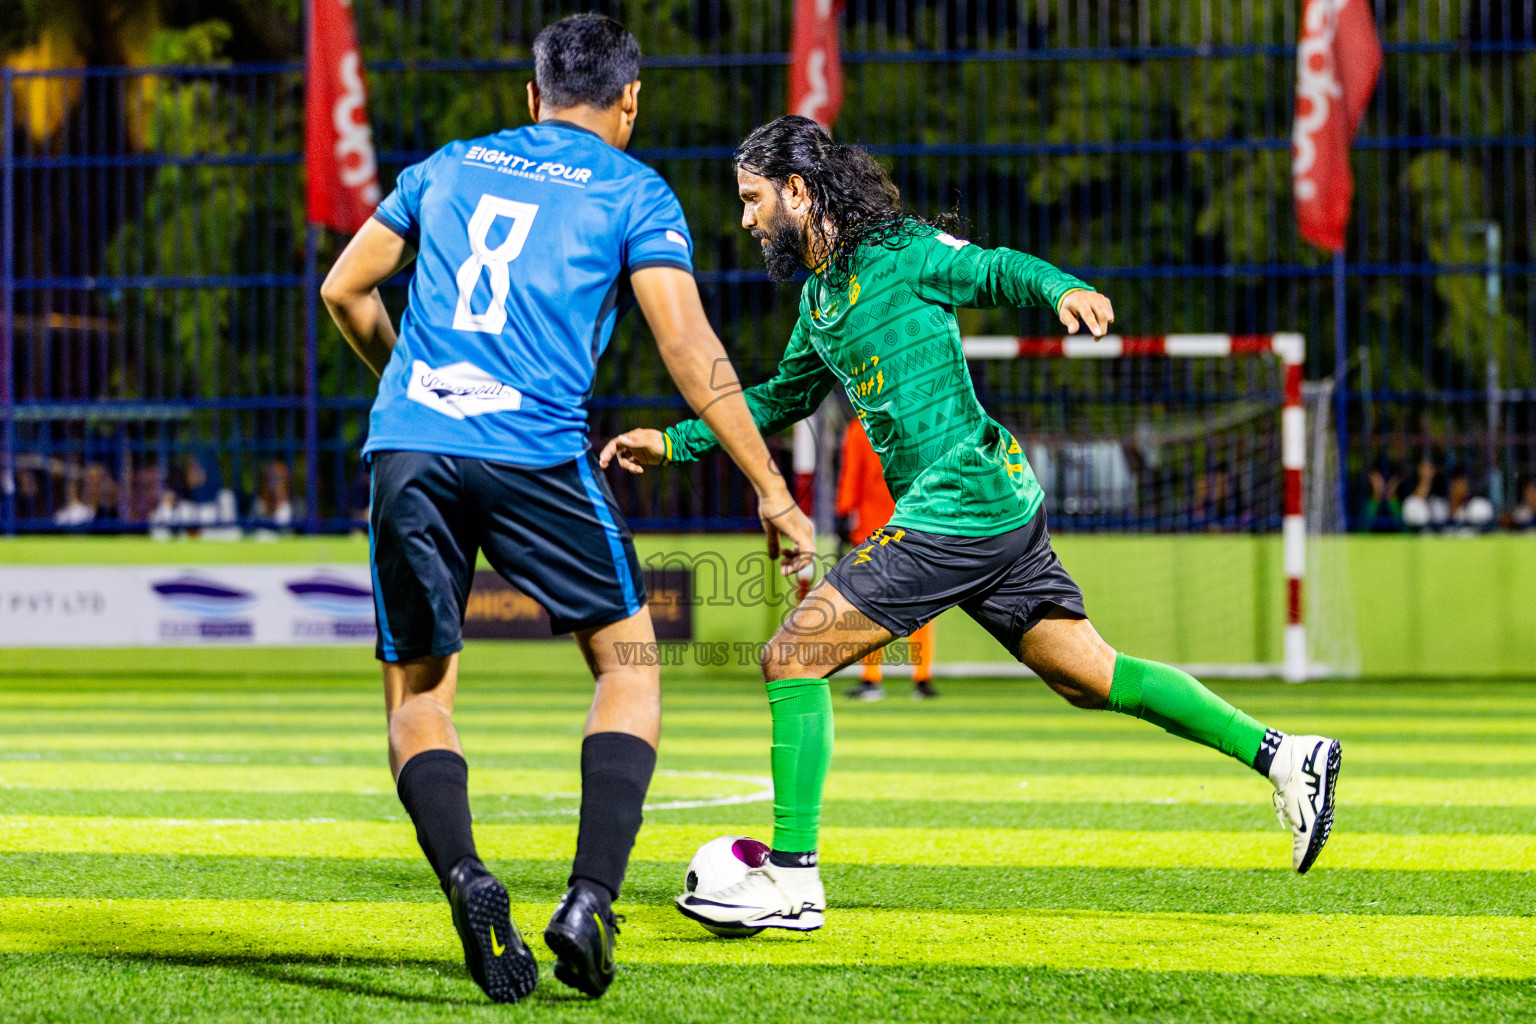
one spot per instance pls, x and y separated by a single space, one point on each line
668 438
1064 295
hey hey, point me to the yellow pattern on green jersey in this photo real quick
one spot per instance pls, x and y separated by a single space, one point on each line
889 337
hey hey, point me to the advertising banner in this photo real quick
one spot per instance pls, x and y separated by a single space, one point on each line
114 606
276 606
498 611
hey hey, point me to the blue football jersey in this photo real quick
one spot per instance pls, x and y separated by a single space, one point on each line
523 239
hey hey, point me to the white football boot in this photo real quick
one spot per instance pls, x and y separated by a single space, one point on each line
1304 771
769 897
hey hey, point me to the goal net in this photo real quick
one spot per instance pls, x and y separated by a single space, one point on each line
1190 487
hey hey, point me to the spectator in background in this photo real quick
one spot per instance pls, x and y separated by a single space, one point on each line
205 501
1467 509
201 479
72 511
103 487
167 507
1215 506
32 499
1383 511
1523 515
146 488
359 493
90 492
274 499
1425 507
198 500
359 497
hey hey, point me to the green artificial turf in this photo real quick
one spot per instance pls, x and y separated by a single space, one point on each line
212 836
67 989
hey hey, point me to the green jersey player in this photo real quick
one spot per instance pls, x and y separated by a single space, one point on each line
877 319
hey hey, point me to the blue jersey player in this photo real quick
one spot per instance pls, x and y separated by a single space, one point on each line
524 242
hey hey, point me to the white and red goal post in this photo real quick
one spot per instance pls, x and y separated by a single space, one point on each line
1290 351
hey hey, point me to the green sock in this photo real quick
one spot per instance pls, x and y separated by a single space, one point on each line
1164 696
802 750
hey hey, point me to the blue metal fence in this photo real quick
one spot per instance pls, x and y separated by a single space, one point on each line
162 365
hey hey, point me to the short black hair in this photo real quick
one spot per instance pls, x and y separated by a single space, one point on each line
585 59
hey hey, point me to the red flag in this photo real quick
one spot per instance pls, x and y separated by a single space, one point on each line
816 75
343 186
1337 62
815 91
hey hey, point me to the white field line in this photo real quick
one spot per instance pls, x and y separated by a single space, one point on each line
763 794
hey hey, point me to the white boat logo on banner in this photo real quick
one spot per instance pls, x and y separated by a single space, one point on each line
331 608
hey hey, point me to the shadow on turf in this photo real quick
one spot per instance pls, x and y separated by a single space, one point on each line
302 971
296 969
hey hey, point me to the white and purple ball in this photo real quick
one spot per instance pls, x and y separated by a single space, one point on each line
721 863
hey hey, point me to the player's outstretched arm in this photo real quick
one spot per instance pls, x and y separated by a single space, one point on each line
636 449
351 291
1082 308
957 272
669 298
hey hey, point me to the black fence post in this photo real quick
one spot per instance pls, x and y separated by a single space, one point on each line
311 379
7 299
1341 379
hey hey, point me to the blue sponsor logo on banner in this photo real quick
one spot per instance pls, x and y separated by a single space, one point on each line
343 608
332 594
217 607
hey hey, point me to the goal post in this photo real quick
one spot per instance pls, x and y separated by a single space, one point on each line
1191 419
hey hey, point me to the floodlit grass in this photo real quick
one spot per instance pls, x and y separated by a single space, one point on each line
213 836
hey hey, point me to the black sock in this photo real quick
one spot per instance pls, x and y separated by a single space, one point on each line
1268 748
616 771
783 859
600 892
434 787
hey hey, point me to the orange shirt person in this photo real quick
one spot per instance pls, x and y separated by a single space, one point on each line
863 497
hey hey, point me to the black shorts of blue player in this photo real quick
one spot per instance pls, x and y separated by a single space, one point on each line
554 533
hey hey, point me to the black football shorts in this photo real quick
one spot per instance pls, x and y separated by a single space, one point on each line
553 533
903 578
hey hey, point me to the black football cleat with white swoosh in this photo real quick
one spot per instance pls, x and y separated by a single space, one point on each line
582 934
496 955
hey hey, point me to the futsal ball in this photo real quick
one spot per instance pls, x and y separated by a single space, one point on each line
724 862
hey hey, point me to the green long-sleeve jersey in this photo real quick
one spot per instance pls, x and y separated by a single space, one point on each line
890 338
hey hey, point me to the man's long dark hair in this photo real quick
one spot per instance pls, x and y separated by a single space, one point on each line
853 201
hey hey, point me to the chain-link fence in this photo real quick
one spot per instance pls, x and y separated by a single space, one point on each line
163 361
